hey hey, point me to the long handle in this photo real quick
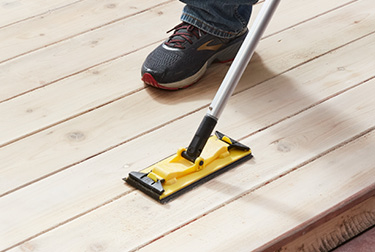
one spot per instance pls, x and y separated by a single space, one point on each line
231 80
242 58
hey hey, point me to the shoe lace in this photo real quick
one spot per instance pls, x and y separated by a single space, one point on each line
183 32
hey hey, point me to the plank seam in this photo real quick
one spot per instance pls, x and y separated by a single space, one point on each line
309 107
78 72
85 212
309 19
40 14
69 220
101 152
86 31
71 117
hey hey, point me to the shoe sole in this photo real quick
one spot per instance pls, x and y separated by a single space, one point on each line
223 56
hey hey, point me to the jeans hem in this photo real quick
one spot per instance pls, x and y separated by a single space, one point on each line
209 28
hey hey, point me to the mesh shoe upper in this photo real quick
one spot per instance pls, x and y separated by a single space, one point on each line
187 51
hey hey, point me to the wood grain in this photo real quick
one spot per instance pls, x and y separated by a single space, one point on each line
76 118
119 115
264 214
64 23
17 11
279 150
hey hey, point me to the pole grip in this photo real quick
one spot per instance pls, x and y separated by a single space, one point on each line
200 138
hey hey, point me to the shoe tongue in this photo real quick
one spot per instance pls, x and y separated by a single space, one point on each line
177 36
183 34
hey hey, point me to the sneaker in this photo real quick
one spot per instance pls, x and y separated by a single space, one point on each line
183 58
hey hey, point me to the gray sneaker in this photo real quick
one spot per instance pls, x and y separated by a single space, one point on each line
184 57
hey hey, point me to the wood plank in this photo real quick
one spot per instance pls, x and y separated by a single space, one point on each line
105 194
295 199
138 220
103 45
65 23
96 183
82 52
15 11
105 126
84 16
85 92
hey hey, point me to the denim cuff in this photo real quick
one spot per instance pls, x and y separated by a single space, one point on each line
210 29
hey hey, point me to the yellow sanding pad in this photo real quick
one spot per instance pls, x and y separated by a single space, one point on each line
175 174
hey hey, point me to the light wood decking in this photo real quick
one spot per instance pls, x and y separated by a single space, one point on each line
76 119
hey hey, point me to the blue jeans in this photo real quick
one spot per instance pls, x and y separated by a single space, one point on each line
225 19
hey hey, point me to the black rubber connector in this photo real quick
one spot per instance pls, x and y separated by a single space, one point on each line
200 138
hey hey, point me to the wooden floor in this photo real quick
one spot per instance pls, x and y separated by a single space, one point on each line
76 119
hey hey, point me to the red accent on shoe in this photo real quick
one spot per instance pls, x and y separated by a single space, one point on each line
149 80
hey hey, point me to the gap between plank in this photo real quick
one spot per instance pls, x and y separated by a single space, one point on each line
103 151
85 31
72 117
309 19
40 14
307 108
78 72
70 219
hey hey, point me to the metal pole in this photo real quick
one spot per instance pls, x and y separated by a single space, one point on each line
230 81
242 59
